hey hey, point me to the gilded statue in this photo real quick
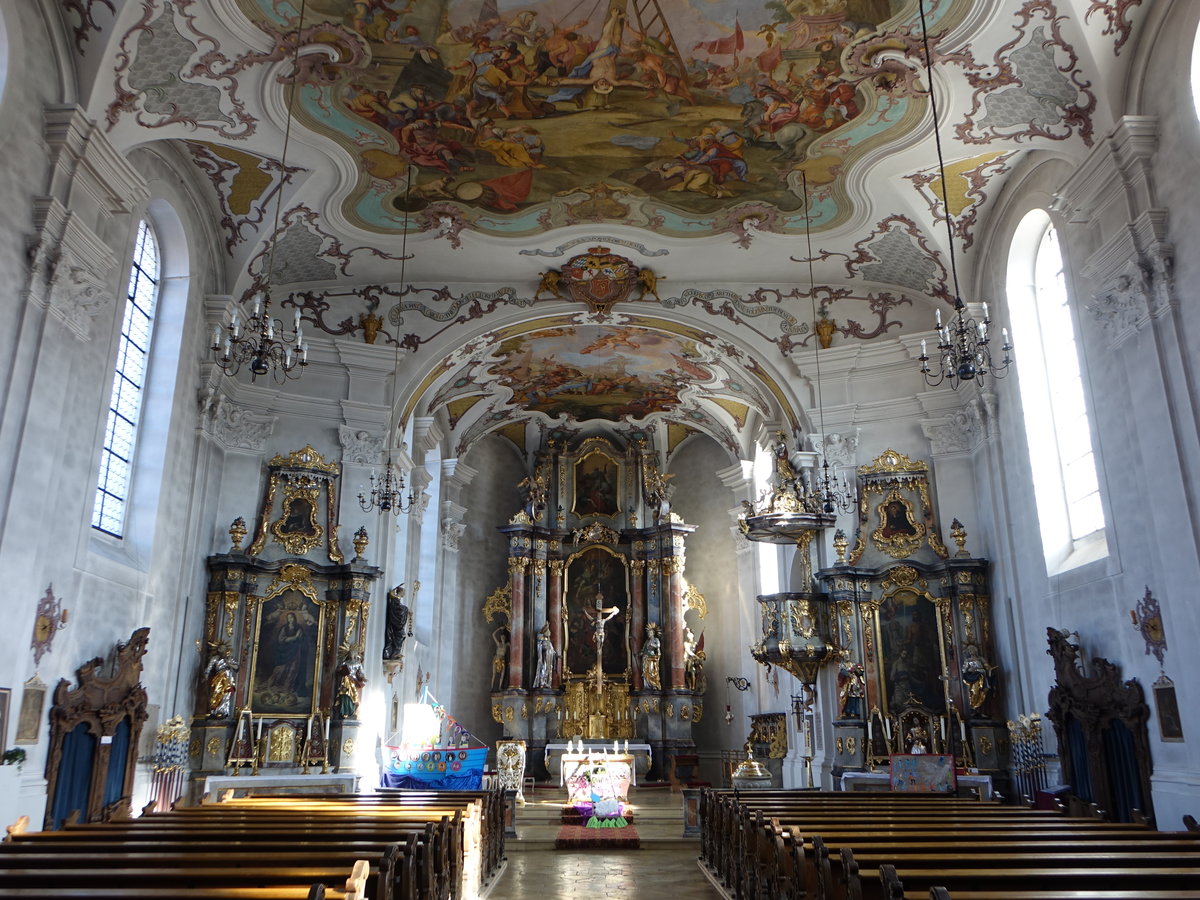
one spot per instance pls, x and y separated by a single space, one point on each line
351 681
221 681
371 324
977 676
549 284
651 658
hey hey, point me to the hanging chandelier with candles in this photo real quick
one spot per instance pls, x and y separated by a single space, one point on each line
260 343
387 490
964 346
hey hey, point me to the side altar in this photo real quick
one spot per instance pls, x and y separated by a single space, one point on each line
281 676
598 633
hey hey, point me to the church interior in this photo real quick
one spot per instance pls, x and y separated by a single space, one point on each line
666 379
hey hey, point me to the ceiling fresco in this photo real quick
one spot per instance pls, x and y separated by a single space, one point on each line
666 113
770 162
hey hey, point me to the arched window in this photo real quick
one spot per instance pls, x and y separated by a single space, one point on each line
1070 512
129 381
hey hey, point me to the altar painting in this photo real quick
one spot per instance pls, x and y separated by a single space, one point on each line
910 659
596 481
286 655
596 574
700 106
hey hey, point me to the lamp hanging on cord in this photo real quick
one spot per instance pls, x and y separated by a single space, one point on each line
387 490
261 343
963 348
834 493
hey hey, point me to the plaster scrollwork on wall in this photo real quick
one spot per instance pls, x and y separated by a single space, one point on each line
231 426
77 295
452 527
958 432
838 448
1142 290
359 446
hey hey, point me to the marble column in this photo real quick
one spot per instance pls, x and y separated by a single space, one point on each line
637 617
672 569
554 616
516 646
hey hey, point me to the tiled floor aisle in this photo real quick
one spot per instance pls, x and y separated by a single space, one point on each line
641 874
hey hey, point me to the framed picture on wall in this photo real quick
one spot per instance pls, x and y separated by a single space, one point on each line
29 719
5 706
1170 724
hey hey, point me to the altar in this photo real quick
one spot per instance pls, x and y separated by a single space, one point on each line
561 760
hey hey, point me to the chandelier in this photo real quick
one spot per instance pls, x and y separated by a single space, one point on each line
833 493
963 349
387 490
262 345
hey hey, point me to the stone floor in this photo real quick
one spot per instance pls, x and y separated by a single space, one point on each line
664 867
644 874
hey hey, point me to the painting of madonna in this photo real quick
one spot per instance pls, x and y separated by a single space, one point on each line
285 662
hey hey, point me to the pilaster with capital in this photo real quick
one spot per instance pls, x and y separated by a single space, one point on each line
554 605
517 569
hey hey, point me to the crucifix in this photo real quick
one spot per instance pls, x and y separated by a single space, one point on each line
600 616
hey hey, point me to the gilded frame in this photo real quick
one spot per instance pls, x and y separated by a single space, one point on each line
281 603
574 584
894 634
297 527
899 534
597 478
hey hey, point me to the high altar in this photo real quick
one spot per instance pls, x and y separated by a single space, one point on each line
594 637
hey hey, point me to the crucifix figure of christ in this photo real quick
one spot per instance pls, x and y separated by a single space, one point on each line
600 616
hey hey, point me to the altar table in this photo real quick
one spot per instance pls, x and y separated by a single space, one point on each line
245 785
881 781
641 754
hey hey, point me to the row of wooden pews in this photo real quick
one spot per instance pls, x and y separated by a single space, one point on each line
819 845
392 845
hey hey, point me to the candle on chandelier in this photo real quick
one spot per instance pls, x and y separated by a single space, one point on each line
216 336
1004 334
939 317
923 353
985 315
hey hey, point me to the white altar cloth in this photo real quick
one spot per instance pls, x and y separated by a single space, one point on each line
554 754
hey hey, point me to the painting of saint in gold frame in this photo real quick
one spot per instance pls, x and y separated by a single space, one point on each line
910 651
596 577
297 527
287 659
898 533
597 485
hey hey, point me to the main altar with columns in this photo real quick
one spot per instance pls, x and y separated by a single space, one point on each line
598 634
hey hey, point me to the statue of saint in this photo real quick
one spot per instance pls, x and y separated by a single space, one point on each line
220 681
396 625
693 660
351 682
500 659
651 658
546 655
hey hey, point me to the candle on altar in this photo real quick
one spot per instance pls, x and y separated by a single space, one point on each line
616 747
887 728
942 725
870 729
327 729
626 745
962 730
241 724
259 735
308 732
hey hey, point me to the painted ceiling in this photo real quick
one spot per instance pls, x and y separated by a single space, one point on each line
416 166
